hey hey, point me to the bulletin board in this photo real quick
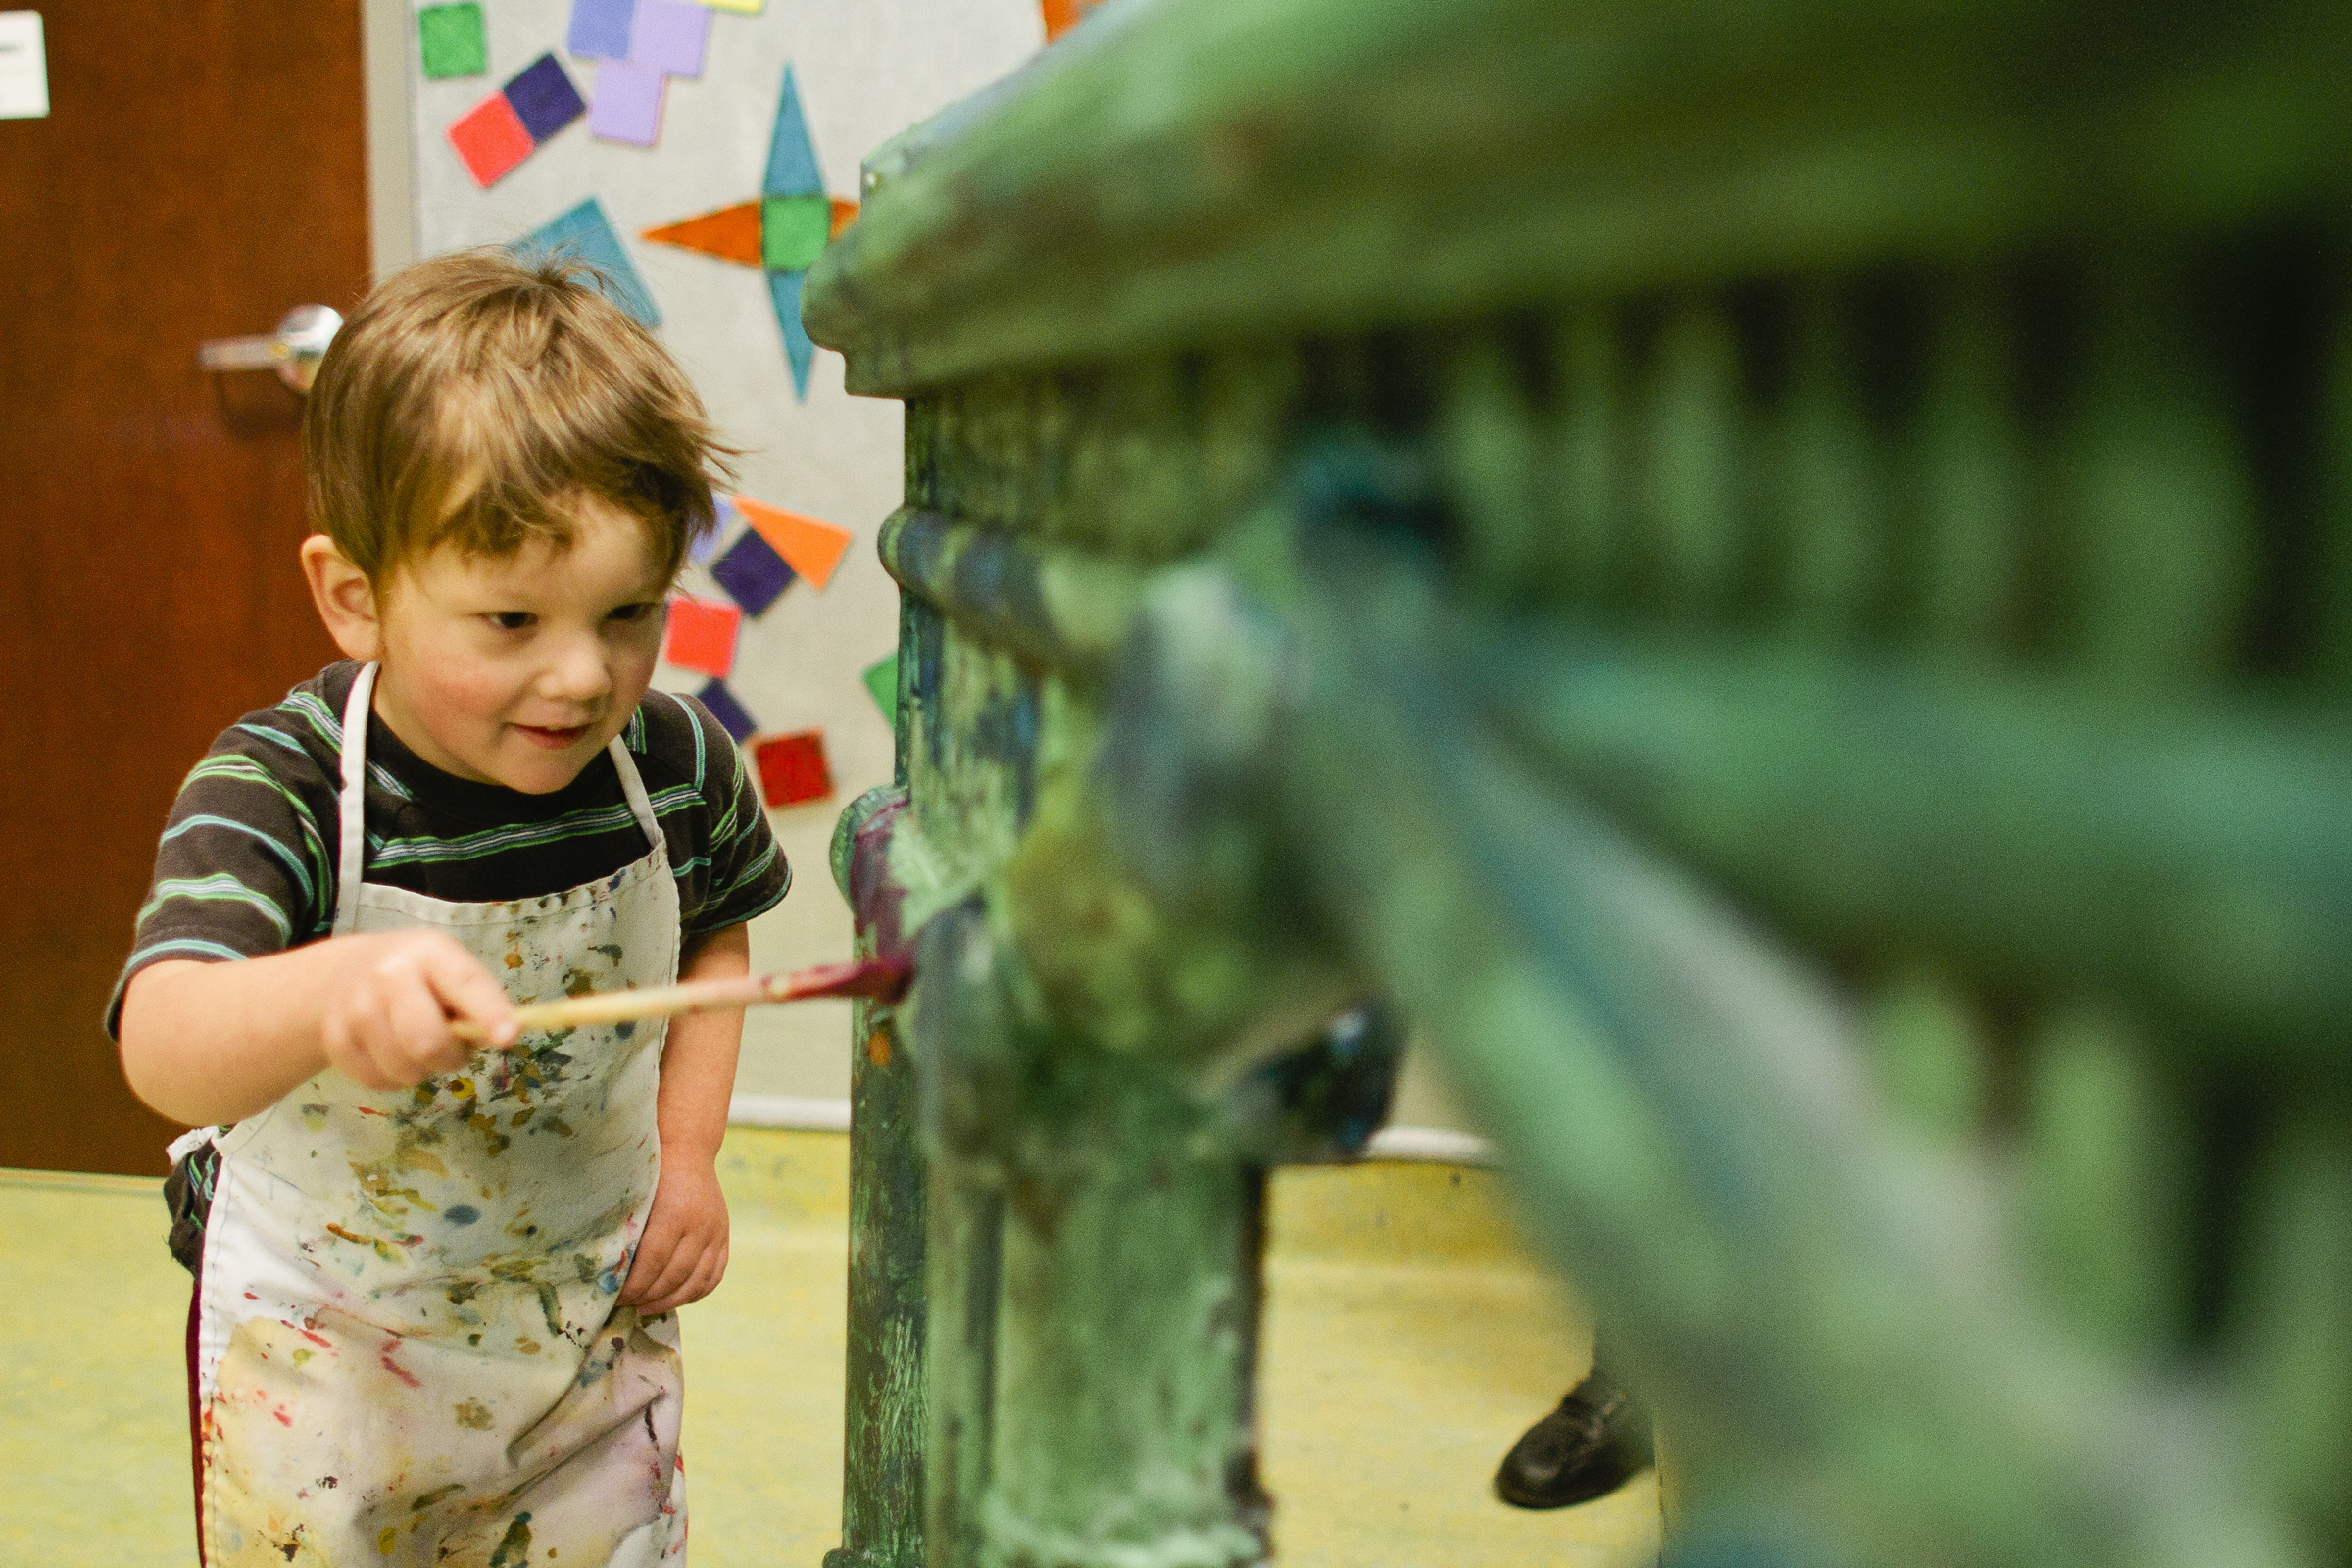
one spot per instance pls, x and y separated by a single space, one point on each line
534 121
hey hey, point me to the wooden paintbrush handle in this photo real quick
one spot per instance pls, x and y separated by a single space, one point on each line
872 977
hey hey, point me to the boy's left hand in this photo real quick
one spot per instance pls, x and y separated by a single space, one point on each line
683 1252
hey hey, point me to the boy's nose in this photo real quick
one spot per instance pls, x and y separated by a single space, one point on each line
577 674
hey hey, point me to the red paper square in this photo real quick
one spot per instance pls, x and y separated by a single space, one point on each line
701 635
792 767
491 138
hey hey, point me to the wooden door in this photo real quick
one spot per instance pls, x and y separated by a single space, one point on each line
201 172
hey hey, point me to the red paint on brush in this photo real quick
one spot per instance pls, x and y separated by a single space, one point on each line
879 979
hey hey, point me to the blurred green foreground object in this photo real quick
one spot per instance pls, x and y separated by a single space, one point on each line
1778 578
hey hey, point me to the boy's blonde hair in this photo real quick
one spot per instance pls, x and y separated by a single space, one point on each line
472 393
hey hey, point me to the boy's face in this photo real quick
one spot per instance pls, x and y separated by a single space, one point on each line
517 670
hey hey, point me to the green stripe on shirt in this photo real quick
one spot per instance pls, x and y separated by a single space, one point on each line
219 888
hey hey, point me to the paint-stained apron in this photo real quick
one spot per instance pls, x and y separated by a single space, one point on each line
408 1346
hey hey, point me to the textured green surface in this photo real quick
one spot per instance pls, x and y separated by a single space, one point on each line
890 1215
1253 168
1780 577
882 1505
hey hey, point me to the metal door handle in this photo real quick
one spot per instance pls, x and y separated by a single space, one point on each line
293 351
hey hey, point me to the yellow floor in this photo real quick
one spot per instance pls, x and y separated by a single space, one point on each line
1407 1342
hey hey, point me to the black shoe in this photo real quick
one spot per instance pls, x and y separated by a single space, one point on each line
1595 1443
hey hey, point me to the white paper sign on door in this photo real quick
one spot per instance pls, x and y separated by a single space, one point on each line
24 66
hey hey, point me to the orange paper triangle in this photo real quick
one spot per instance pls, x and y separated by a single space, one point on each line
808 547
1063 14
844 215
732 233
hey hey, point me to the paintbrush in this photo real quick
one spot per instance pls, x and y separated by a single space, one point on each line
881 979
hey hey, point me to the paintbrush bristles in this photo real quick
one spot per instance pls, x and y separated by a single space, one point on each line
872 977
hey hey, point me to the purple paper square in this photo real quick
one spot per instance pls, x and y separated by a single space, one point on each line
751 572
628 103
668 36
599 29
544 98
727 710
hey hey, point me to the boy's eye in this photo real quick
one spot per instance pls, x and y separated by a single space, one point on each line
510 619
636 611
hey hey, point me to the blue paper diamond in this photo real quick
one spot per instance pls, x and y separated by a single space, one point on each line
784 292
791 154
587 234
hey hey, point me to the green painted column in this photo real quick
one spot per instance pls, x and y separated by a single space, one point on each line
1778 585
1125 1428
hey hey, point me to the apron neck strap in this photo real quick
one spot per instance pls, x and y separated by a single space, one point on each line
631 785
352 814
352 804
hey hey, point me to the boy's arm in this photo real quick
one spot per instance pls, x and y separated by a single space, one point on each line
683 1252
211 1043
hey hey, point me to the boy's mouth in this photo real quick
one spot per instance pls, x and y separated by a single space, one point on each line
555 740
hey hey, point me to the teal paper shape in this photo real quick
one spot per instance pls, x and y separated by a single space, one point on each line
587 234
452 42
791 156
784 291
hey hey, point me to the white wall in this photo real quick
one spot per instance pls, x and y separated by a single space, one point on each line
865 69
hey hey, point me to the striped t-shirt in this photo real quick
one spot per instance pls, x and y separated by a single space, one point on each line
247 863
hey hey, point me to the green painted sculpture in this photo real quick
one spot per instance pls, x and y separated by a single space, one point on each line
1779 578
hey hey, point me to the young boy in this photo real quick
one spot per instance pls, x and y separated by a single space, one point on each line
431 1319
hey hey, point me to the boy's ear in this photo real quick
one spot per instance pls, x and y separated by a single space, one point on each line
345 598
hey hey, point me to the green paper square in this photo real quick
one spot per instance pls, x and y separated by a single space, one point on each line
454 41
793 230
882 680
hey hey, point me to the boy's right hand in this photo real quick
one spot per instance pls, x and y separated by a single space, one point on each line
388 1025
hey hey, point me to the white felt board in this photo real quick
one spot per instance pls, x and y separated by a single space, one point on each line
865 69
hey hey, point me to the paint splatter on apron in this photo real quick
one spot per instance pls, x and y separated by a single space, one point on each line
408 1346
